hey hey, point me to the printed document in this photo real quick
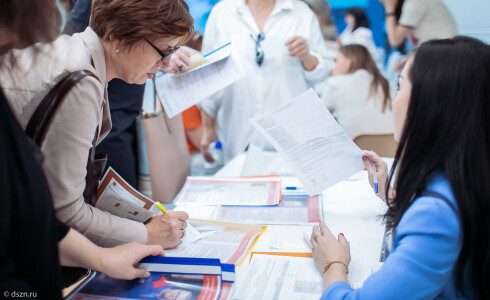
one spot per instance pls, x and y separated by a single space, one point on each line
291 277
180 91
293 209
230 191
230 242
117 197
313 144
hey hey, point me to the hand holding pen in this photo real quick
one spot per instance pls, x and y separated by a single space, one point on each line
377 172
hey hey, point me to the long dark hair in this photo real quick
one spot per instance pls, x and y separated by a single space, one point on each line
448 127
359 16
361 59
398 9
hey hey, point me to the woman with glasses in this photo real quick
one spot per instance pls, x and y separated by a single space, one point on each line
127 39
281 48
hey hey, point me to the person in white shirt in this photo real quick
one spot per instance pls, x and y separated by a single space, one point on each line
357 95
281 48
420 20
357 30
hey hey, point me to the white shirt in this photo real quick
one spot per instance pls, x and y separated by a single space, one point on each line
279 79
346 96
430 19
362 36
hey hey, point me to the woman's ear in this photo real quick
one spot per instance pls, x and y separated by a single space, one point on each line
116 44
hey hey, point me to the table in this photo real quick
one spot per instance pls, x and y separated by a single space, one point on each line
350 207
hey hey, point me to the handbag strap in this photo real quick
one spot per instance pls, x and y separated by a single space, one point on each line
43 116
155 98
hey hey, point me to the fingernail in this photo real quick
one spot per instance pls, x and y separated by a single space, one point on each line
364 157
341 234
147 274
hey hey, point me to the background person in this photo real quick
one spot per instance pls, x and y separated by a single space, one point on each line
121 42
365 109
281 48
358 30
419 20
439 211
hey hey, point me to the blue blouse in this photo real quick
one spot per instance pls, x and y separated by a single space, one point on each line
426 245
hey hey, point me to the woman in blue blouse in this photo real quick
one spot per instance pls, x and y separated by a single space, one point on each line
440 210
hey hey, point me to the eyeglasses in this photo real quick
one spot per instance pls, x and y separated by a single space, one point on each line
259 53
163 54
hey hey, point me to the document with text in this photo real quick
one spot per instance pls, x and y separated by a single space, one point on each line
293 209
291 276
230 242
180 91
313 144
230 191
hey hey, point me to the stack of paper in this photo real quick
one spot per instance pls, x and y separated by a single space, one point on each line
294 209
291 276
171 278
230 191
229 242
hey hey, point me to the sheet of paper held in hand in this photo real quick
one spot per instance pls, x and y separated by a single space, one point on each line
180 91
230 191
313 144
291 277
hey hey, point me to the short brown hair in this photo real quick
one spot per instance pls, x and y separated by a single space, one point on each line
133 20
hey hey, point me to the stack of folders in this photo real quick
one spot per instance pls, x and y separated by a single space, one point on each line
177 278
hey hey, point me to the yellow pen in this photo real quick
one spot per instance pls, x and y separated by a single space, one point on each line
161 207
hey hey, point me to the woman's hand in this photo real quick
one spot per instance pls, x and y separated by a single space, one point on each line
118 262
298 47
381 172
167 229
326 248
180 60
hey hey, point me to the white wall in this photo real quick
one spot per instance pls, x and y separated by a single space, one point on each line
472 17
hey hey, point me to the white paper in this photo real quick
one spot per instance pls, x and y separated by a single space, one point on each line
289 277
261 163
226 241
191 235
229 191
178 92
116 200
311 141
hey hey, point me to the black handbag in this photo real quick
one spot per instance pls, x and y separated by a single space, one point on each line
37 128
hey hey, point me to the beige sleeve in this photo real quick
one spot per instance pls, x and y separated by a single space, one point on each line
412 13
65 150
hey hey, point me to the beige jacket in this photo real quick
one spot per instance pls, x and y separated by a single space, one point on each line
70 136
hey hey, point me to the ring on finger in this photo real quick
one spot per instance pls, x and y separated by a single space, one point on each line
183 225
183 234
